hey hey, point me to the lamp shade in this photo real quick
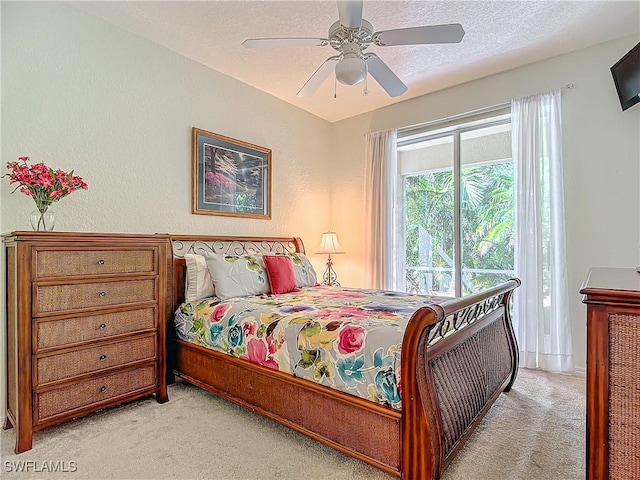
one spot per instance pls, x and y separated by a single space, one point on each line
351 70
329 244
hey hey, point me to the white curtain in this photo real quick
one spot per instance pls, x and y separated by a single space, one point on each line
541 308
380 180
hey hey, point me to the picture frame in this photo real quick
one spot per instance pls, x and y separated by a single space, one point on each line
231 178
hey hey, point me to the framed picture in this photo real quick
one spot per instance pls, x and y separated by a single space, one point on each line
230 177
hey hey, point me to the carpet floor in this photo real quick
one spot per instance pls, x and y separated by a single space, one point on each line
536 431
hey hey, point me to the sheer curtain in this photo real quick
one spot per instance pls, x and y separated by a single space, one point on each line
541 308
380 180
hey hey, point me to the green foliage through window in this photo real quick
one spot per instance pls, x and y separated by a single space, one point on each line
487 228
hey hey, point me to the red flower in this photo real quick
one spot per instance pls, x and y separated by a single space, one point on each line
249 329
42 183
351 339
345 312
218 180
45 181
218 313
257 353
274 343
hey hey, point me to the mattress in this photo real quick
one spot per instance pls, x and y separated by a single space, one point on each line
344 338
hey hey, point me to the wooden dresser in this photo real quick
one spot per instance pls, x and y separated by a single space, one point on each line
612 296
86 318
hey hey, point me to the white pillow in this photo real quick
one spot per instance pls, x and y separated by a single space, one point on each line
237 275
198 283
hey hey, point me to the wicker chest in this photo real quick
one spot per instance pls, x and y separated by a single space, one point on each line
612 296
86 320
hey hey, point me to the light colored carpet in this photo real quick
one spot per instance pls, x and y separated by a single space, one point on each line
536 431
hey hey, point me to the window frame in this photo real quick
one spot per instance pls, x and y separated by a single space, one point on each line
452 127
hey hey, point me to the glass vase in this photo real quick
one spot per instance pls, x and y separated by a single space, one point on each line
43 221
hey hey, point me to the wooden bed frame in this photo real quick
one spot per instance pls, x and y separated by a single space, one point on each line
449 381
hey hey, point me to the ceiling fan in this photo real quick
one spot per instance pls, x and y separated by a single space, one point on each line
351 35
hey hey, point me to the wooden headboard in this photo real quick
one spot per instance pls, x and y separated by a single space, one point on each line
182 244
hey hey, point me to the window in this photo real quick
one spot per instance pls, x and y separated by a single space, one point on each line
455 216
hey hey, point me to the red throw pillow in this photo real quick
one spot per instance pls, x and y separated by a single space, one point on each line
280 273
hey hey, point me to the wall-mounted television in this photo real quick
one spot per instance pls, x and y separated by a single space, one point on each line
626 76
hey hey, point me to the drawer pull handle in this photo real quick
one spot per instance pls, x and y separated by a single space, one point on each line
103 325
103 357
103 294
103 389
101 262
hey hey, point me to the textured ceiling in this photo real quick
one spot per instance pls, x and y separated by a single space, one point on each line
499 36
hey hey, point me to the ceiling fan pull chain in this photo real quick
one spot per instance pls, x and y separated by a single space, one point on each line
365 88
335 87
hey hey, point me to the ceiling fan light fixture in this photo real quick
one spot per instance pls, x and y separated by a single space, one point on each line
351 70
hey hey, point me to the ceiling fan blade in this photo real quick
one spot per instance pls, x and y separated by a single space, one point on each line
350 13
319 76
452 33
384 76
284 42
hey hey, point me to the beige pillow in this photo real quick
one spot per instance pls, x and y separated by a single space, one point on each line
198 283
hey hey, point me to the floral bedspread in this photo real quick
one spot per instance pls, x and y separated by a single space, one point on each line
348 339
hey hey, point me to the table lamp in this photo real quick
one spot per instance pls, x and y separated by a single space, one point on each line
330 245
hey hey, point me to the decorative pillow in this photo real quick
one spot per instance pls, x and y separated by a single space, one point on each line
237 276
280 273
198 283
303 270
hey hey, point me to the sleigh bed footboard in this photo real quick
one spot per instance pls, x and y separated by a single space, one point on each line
457 359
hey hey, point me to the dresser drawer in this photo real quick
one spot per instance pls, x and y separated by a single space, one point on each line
85 360
64 263
70 331
60 298
93 391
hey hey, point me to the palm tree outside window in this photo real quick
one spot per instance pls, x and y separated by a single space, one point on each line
455 230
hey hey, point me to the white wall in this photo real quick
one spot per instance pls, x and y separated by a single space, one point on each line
81 94
601 150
